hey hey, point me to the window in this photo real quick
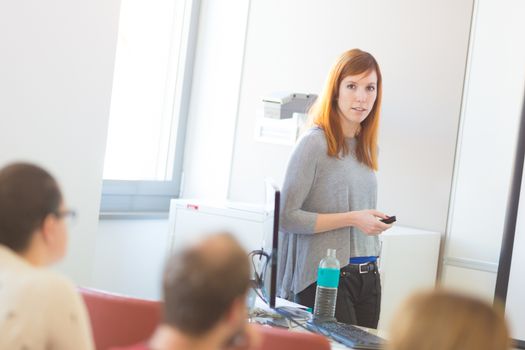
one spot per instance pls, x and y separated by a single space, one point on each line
151 83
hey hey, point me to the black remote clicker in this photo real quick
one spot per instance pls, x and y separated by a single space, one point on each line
389 220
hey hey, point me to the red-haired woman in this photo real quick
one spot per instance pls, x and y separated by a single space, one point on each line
330 194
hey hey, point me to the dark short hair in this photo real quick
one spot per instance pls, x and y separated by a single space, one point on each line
28 194
199 287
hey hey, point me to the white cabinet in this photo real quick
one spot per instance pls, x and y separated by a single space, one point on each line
409 260
194 219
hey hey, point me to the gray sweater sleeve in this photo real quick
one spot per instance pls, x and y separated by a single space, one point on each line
300 175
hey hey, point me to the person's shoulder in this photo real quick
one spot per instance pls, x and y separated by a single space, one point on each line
313 139
314 133
53 286
45 291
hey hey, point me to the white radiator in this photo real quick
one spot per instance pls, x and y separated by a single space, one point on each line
409 261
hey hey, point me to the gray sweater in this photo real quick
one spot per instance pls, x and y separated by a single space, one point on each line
317 183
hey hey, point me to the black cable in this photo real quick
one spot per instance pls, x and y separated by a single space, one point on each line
259 278
260 295
259 285
287 315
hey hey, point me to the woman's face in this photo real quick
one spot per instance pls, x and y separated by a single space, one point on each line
356 97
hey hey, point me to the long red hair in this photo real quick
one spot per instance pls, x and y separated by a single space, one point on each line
325 114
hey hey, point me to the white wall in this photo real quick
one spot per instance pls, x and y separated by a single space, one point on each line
492 106
56 68
130 256
212 113
291 46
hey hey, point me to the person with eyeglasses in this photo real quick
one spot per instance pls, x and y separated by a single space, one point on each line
39 309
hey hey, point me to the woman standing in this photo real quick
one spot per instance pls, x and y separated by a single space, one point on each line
330 192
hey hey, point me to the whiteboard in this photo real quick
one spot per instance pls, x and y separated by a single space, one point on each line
515 303
511 288
515 284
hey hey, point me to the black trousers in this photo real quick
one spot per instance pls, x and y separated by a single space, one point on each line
358 296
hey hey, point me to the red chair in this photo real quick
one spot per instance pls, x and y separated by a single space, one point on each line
118 320
282 339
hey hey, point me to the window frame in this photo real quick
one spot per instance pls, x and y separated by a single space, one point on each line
141 196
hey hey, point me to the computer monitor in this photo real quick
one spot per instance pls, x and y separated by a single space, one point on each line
270 247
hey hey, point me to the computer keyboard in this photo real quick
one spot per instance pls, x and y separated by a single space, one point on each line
346 334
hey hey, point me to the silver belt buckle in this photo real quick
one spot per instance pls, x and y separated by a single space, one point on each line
361 265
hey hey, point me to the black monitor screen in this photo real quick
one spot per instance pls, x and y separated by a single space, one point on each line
270 246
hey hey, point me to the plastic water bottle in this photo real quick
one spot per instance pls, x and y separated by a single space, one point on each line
327 283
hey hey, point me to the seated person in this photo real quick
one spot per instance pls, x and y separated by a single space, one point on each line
204 290
444 320
39 309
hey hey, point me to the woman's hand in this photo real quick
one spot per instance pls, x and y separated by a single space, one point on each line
368 221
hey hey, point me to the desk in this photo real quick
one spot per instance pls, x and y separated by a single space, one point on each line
260 304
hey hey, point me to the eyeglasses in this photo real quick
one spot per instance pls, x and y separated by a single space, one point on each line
69 215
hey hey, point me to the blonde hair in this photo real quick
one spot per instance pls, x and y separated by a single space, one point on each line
324 112
444 320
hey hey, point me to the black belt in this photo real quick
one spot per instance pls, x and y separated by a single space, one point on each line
359 268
